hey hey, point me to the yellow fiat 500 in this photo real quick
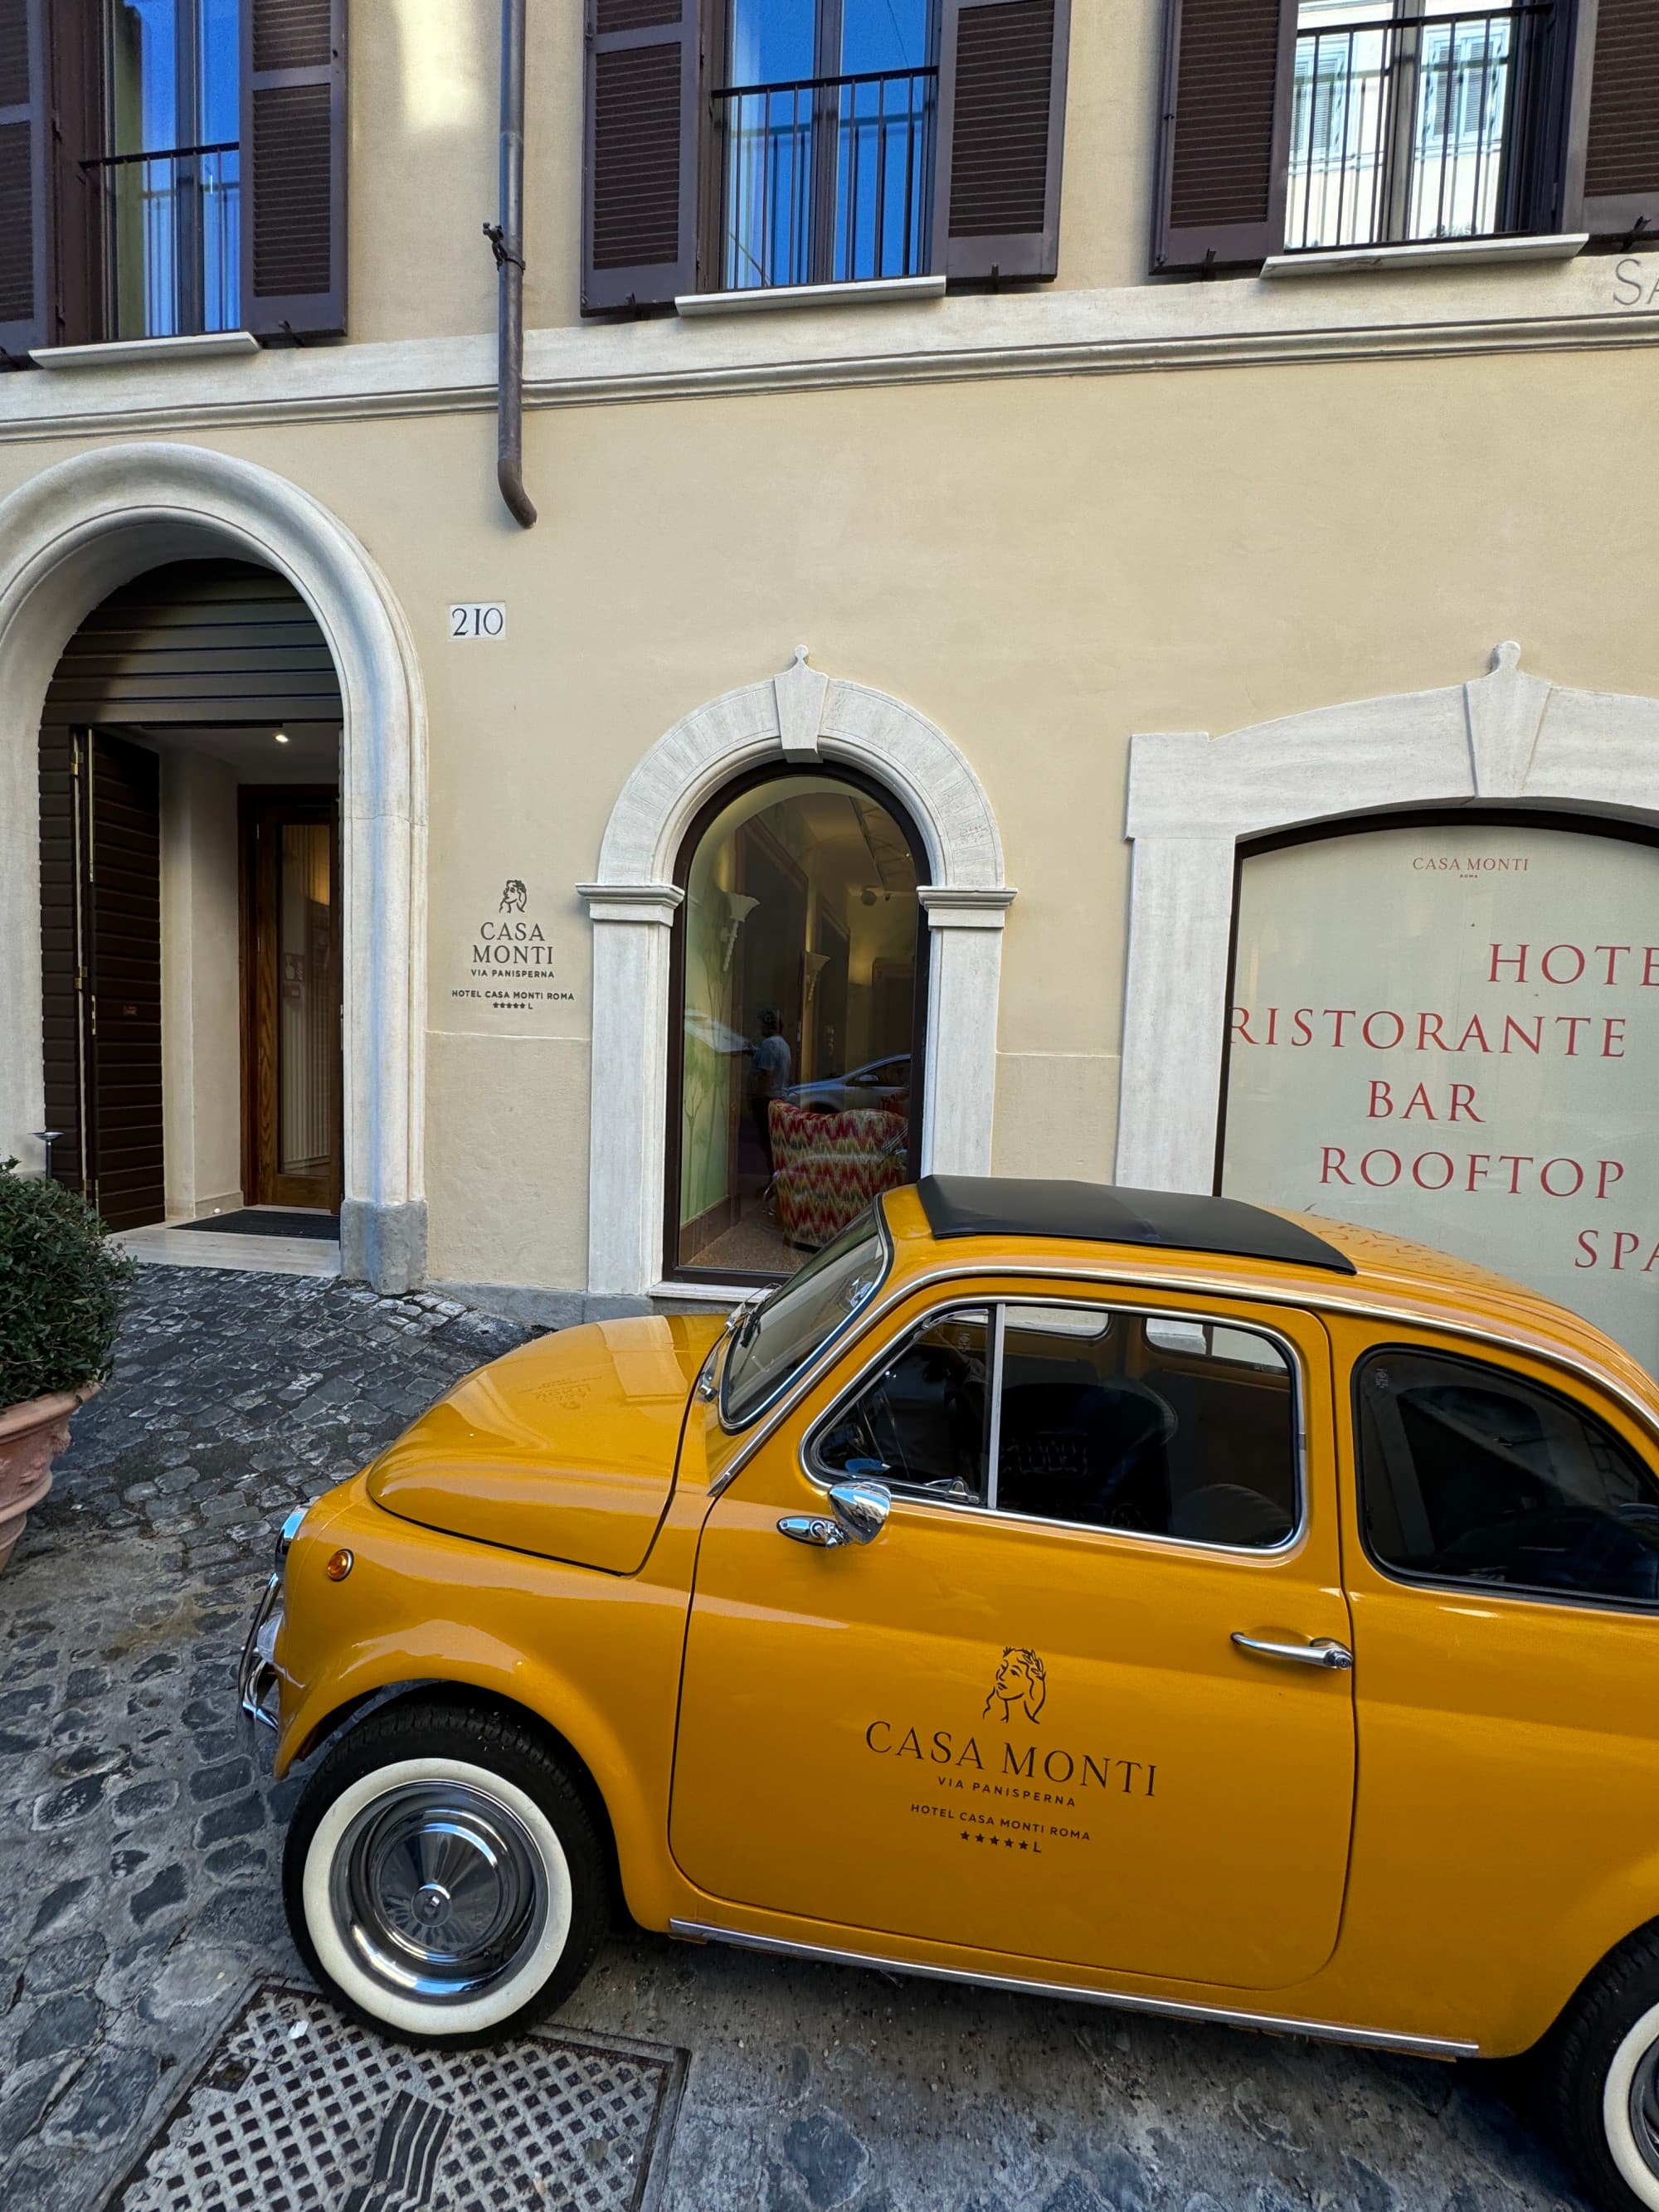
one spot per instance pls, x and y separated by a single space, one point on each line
1158 1600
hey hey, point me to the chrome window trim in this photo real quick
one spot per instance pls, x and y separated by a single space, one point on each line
999 1319
813 1359
1628 1608
1315 1299
1324 2031
822 1478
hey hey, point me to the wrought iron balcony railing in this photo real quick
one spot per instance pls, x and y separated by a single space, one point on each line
170 223
1415 128
826 180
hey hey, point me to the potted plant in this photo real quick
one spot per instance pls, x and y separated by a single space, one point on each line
61 1282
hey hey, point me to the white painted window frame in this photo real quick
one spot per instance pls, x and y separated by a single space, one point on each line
807 718
1505 739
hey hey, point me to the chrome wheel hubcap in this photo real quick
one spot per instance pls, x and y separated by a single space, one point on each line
1645 2108
439 1892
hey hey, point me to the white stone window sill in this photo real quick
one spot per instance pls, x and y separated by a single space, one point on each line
205 345
702 1294
1434 253
862 292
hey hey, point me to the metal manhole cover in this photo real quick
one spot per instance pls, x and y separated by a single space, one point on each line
297 2108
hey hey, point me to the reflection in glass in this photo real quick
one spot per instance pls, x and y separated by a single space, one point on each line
775 1339
924 1423
797 1019
825 126
1470 1475
1165 1428
170 174
1404 120
308 1039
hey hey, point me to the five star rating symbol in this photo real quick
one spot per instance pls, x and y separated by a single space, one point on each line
1006 1843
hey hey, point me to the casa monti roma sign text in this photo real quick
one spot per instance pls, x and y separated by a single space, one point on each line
1453 1033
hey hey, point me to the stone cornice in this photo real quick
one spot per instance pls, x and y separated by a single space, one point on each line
1594 303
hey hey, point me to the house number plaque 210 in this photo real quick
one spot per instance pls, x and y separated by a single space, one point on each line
479 618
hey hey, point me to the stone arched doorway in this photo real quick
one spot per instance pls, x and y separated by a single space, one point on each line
68 539
802 718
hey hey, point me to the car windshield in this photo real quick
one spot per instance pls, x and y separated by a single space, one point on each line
775 1340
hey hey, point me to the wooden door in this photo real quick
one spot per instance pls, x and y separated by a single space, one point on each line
101 912
291 999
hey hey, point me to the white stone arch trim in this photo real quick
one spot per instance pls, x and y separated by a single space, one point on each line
801 717
68 537
1506 737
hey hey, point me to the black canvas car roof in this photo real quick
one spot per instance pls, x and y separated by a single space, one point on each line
1106 1214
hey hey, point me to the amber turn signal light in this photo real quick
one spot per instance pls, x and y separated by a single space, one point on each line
338 1566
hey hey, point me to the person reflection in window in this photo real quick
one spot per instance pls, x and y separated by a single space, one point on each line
770 1062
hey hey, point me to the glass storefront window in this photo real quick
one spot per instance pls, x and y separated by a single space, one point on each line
800 965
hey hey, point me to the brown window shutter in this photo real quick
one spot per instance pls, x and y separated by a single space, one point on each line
1223 147
27 316
294 167
1612 156
639 171
1001 132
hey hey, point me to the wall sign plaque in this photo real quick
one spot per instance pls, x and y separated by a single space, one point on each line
1453 1032
511 964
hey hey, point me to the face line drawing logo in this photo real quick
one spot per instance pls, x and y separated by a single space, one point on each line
1021 1681
514 897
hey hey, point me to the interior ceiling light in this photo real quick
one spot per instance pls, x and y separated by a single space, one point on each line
280 736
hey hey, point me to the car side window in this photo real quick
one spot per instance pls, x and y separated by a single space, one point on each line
1470 1475
1147 1423
923 1422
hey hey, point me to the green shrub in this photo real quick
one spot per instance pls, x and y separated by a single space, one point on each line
60 1284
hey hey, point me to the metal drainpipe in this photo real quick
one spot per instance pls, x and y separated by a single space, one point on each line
507 242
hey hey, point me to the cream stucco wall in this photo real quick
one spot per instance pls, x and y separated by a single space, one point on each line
423 118
1041 566
201 1002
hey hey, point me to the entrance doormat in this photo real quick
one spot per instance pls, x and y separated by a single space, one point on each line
297 2109
269 1221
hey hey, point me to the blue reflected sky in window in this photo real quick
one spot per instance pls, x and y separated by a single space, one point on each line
218 44
883 35
143 46
174 67
875 138
772 41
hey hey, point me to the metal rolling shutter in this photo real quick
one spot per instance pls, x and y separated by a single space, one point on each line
197 642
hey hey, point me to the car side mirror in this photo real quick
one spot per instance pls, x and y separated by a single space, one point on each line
862 1508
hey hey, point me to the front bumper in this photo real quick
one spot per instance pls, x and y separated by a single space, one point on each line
258 1685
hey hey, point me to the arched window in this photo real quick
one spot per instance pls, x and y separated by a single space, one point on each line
797 1023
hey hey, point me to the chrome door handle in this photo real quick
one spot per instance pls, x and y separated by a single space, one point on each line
813 1528
1323 1651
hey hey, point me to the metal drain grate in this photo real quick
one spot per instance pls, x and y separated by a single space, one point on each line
298 2108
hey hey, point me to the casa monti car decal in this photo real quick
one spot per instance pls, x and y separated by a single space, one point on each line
998 1781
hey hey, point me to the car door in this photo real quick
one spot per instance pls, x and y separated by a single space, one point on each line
1503 1564
1017 1721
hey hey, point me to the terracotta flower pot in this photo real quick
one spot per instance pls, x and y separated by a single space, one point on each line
31 1437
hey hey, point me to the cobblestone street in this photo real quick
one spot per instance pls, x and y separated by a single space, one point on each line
142 1840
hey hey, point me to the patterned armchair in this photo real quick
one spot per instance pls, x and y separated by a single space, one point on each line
828 1167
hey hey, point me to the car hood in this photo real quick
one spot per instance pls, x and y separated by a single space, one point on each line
565 1447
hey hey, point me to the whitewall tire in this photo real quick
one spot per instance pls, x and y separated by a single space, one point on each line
1630 2114
442 1876
1600 2074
